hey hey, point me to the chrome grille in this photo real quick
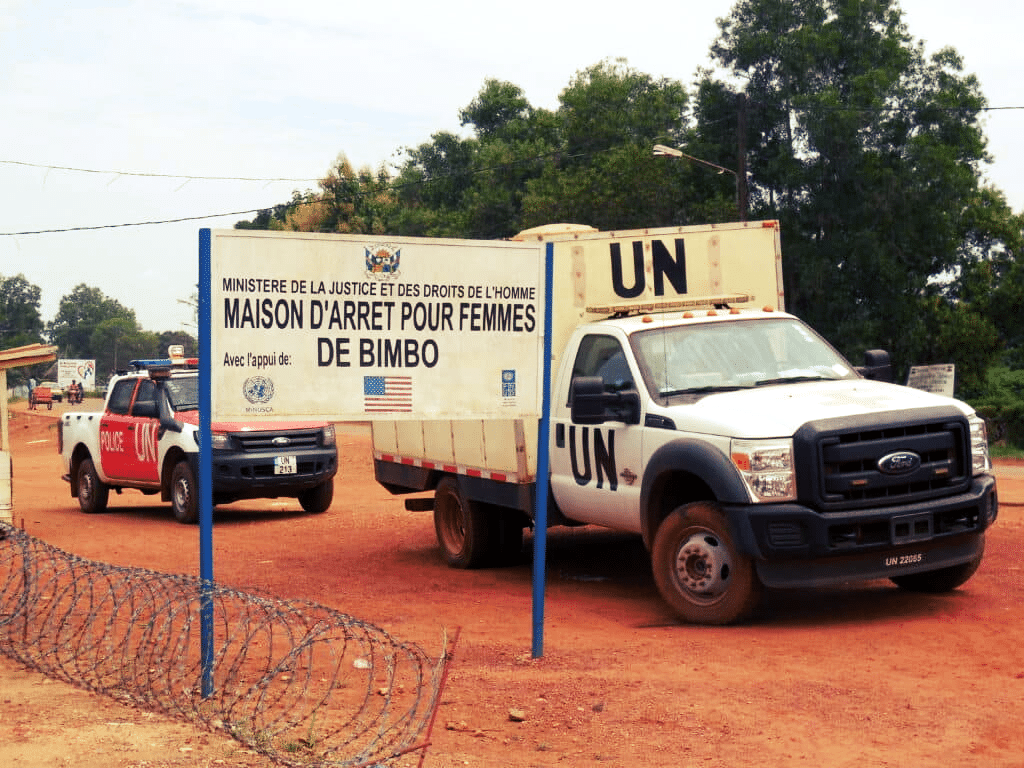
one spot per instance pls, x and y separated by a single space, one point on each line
848 459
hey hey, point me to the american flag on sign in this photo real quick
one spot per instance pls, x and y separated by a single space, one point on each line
387 394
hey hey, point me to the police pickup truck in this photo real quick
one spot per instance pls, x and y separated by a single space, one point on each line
147 438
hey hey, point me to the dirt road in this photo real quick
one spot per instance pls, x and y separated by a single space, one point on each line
864 675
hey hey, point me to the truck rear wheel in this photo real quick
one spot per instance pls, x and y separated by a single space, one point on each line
92 492
698 568
184 500
317 500
462 526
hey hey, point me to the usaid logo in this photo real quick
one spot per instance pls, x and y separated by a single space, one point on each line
899 463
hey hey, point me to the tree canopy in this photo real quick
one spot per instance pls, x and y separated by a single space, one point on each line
868 151
20 321
91 325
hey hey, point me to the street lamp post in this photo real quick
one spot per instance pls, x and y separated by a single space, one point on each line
660 150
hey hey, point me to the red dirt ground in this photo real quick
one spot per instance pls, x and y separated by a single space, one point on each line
864 675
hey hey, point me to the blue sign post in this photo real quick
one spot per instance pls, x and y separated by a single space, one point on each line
205 469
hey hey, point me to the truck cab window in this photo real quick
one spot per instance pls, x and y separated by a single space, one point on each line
121 397
603 356
146 396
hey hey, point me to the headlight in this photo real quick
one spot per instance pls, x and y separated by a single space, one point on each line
980 462
220 441
766 467
328 436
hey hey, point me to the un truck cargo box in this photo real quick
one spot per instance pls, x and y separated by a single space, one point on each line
596 275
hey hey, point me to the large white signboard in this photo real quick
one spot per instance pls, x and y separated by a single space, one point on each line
348 327
81 371
937 379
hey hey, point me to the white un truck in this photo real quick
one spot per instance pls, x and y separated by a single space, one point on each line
689 408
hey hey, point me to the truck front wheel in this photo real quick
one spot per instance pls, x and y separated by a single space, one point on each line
699 570
92 492
461 526
184 501
317 500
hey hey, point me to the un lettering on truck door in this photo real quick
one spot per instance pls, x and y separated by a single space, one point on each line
128 432
596 469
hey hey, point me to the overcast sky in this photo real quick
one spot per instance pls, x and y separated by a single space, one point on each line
149 94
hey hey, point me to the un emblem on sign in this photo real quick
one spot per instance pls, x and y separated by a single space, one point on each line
258 389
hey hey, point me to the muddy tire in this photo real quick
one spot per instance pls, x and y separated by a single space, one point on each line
184 496
698 568
318 500
462 527
92 492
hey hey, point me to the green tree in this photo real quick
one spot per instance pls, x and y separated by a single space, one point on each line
865 149
1002 405
20 322
79 315
609 119
432 184
991 274
165 339
501 111
117 341
347 201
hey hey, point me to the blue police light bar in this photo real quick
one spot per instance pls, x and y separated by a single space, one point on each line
144 365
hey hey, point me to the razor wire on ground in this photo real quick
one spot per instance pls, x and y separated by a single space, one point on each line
299 682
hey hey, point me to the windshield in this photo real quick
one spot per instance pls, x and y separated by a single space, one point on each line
183 393
713 357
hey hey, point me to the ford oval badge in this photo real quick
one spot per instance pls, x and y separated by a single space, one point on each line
899 463
288 441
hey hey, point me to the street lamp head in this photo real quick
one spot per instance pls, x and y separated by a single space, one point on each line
660 150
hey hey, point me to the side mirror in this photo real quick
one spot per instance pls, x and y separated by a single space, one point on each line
626 406
591 404
877 366
145 409
587 400
167 420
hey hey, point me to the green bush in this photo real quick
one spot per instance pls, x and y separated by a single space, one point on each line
1002 406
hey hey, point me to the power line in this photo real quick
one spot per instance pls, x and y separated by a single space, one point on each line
392 187
136 223
187 176
291 204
